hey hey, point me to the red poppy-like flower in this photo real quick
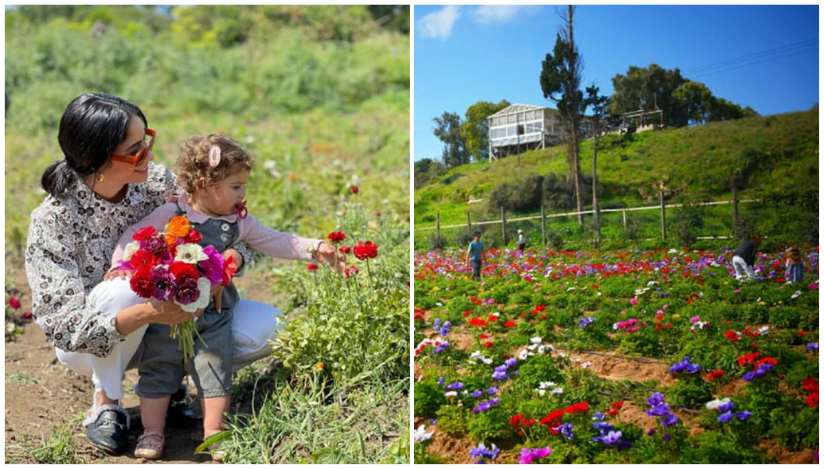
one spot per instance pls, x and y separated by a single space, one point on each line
366 250
731 335
552 417
478 322
488 344
770 360
345 249
579 407
617 405
312 266
467 313
143 259
229 270
336 236
715 374
354 189
183 270
802 333
141 282
749 358
193 237
509 324
144 233
543 316
483 336
812 400
14 302
810 384
540 308
492 318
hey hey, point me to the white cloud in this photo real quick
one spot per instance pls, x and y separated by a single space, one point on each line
491 14
438 25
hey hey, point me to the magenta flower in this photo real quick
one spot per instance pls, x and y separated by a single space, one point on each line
212 267
529 455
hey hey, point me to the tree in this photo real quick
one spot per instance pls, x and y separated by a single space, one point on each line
696 101
561 82
425 170
649 89
599 111
475 130
448 131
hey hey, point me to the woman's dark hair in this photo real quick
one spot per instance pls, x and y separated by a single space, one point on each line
92 126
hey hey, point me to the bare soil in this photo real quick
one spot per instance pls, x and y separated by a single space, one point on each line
42 394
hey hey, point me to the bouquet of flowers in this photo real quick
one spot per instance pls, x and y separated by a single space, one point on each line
171 266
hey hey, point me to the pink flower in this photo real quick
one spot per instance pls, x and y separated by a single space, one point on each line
737 291
633 301
14 302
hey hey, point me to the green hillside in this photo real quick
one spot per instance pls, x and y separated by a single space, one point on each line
776 153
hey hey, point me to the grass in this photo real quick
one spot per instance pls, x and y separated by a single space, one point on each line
310 420
695 162
59 447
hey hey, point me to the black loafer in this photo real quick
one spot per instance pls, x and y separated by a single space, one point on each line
181 415
109 432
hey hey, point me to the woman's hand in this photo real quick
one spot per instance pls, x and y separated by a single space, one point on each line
234 253
217 295
116 273
325 254
169 312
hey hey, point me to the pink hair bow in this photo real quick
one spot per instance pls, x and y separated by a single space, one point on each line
214 156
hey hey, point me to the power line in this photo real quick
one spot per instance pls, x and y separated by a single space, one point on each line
744 65
806 44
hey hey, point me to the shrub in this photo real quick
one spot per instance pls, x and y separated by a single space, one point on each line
784 317
429 397
452 420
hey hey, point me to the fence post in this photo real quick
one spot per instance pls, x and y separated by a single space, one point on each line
624 213
468 223
543 223
663 216
735 204
438 225
503 224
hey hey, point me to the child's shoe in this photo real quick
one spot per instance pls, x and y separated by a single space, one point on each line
150 445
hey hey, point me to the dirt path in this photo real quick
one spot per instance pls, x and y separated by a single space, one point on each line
42 394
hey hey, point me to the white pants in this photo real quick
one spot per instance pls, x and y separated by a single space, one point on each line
741 268
254 324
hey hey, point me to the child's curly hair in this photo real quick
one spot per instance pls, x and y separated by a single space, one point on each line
794 255
193 162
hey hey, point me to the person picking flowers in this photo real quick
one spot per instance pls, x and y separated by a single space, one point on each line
210 216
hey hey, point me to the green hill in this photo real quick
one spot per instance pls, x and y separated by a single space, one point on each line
776 154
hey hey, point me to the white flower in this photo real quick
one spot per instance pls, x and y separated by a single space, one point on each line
451 394
421 435
541 349
546 384
190 253
205 287
535 340
586 365
550 347
714 404
672 251
439 304
764 330
651 283
557 391
541 392
796 295
130 249
522 355
531 347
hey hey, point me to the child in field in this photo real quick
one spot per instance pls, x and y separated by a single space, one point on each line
795 266
473 255
521 240
743 258
213 172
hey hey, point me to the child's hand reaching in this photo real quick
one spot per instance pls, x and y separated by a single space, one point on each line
325 254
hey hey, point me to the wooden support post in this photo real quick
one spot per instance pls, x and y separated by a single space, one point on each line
663 216
735 204
503 224
543 223
438 225
624 213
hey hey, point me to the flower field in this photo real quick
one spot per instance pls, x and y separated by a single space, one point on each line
614 357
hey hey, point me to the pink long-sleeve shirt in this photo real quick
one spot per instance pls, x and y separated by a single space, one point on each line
259 238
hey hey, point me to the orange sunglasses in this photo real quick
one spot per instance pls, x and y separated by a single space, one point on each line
138 158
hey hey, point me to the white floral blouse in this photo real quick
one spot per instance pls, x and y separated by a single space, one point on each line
69 248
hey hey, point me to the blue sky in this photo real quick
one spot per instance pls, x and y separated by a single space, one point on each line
765 57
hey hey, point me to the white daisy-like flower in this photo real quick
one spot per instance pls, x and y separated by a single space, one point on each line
764 330
557 391
550 347
716 403
531 347
541 349
541 392
522 355
190 253
796 295
421 435
535 340
451 393
586 365
130 249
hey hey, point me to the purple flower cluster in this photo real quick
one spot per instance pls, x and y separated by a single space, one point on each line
584 322
483 452
812 347
567 430
685 366
529 455
762 370
659 408
443 330
483 406
453 386
501 371
725 407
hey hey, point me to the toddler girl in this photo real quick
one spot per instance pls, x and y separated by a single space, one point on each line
213 172
795 266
